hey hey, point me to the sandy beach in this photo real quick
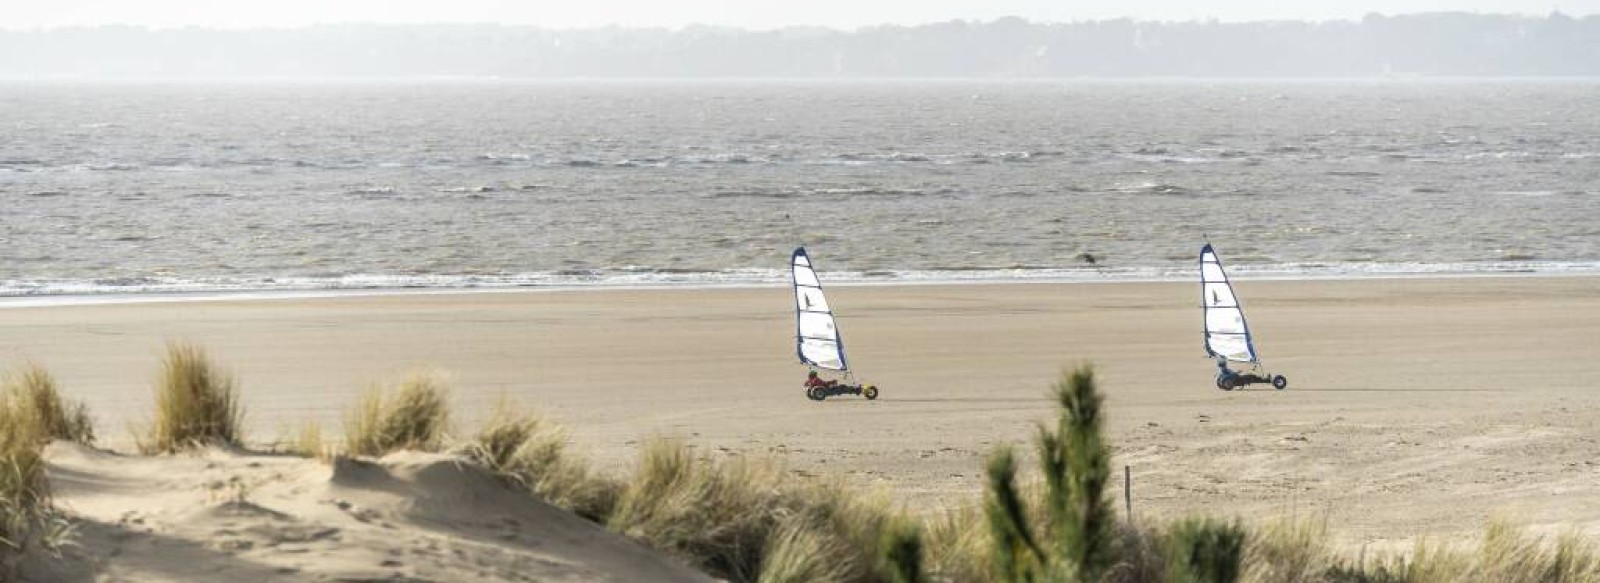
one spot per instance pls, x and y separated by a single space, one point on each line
1415 406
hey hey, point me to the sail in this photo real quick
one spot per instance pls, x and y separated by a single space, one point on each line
1227 334
817 336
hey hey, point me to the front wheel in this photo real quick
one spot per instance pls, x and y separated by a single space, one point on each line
1279 382
870 392
816 393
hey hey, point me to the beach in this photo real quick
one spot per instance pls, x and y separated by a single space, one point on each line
1415 405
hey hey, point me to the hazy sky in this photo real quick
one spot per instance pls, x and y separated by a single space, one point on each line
760 14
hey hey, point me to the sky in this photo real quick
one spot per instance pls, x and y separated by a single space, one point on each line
753 14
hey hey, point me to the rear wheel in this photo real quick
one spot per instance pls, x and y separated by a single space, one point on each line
870 392
1279 382
816 393
1224 385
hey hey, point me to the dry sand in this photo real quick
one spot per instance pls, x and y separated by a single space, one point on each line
1415 406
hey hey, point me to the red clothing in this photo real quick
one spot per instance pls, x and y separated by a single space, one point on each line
818 382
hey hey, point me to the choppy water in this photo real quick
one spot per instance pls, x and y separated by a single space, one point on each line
128 187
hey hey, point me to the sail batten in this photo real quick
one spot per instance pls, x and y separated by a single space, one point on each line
817 339
1227 334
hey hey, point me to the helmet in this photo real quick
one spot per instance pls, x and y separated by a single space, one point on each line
813 374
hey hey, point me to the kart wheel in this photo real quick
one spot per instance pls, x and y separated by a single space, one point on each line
1279 382
816 393
870 392
1224 385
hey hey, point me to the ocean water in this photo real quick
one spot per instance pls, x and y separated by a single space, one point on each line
116 188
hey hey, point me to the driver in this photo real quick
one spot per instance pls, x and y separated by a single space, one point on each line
1223 372
812 380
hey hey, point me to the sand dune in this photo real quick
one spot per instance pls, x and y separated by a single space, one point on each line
1416 406
226 516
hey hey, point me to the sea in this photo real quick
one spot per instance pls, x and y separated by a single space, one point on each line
137 188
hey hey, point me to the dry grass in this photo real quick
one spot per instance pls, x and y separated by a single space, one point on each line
746 520
36 396
27 520
716 515
1505 554
958 544
415 417
796 553
197 404
532 452
1288 550
308 442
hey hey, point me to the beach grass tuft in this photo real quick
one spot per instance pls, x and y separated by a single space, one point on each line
1292 548
414 416
36 395
197 404
308 442
714 514
532 452
747 520
27 519
1505 554
797 553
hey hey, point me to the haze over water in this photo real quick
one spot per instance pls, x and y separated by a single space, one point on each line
142 187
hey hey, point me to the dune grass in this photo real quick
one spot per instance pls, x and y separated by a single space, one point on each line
27 519
308 441
416 416
36 396
1504 554
531 451
197 404
746 520
23 488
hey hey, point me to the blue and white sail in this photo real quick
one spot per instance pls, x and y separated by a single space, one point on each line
1227 333
816 334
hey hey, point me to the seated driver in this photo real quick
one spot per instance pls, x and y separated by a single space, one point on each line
812 380
1223 372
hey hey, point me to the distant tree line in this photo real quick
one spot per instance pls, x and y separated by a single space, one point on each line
1433 44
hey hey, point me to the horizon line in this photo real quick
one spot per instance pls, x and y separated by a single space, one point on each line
789 27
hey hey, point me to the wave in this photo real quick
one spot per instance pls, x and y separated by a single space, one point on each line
1155 188
775 194
829 192
368 191
17 292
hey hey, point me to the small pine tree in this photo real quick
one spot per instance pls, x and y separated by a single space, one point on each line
1080 526
1204 551
902 552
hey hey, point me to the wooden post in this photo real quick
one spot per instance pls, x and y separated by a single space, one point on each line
1127 490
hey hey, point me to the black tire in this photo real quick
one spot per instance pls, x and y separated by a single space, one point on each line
870 392
816 393
1224 385
1279 382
